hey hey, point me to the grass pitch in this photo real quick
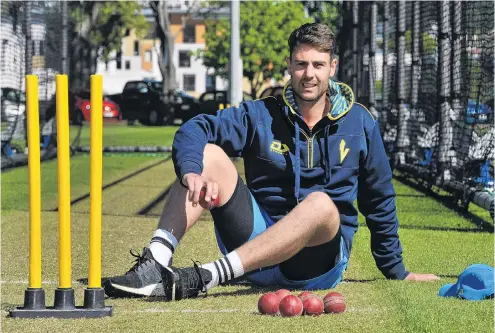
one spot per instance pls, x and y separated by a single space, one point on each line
435 239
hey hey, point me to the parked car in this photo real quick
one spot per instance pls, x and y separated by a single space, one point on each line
144 101
82 104
210 102
185 106
276 91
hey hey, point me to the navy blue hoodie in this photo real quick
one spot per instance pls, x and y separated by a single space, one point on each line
342 155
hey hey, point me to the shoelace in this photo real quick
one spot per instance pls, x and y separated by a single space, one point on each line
140 259
193 280
196 267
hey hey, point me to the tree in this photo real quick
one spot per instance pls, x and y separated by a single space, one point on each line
167 40
100 27
326 12
264 28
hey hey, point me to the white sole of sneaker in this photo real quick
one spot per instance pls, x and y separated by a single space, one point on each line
145 291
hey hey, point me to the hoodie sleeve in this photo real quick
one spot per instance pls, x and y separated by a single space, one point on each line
232 129
376 201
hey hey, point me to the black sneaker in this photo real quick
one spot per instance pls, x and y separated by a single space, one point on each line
144 279
188 282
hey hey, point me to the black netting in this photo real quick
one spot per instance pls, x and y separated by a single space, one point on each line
434 83
38 46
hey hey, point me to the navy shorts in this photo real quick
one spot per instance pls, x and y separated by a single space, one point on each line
241 219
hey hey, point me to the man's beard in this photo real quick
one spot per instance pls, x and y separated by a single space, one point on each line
314 99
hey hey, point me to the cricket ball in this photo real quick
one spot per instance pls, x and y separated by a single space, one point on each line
268 304
306 294
291 306
313 305
282 293
207 205
334 302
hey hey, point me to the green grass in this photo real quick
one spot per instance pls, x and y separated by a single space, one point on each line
373 303
123 135
15 184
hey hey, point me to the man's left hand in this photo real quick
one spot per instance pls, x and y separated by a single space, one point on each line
421 277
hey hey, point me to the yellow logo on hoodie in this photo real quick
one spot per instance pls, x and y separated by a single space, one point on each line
279 147
343 150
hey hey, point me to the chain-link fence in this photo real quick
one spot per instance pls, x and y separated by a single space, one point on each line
427 67
33 42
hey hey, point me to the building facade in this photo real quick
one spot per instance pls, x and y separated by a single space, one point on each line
138 58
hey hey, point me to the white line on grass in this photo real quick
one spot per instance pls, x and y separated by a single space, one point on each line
27 282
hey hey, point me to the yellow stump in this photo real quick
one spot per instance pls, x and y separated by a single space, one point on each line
63 157
33 127
96 146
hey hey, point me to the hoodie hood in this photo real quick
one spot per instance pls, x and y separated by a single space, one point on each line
339 94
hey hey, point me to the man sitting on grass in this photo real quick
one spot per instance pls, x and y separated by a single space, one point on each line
293 223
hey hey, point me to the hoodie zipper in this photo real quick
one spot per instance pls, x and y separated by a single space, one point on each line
311 147
310 139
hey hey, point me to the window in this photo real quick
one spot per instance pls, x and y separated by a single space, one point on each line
118 59
190 33
189 82
147 56
184 59
136 47
142 87
127 64
221 97
42 48
208 97
210 82
4 48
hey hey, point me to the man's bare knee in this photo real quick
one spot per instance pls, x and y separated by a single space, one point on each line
218 168
325 208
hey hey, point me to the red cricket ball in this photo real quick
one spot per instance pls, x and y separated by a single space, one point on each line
305 294
282 293
205 204
313 305
268 304
291 306
334 302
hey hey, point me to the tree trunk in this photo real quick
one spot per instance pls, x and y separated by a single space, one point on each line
82 60
165 60
93 58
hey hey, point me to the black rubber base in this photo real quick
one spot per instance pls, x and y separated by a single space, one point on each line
51 312
34 305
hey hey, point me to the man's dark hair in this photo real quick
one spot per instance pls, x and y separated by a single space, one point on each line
317 35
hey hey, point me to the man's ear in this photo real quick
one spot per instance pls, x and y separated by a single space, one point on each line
333 66
287 60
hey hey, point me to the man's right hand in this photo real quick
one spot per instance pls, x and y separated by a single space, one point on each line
195 183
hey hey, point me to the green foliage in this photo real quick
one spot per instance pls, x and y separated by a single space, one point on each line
429 43
326 12
264 28
113 19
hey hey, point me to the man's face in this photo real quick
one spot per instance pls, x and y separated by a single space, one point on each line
310 72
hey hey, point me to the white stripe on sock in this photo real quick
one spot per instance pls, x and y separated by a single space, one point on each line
236 263
214 275
227 269
167 236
